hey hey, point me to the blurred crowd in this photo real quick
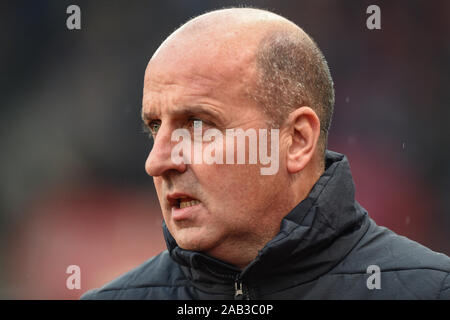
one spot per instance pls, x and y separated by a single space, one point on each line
73 189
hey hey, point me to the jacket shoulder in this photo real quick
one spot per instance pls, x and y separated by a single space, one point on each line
404 265
383 247
153 279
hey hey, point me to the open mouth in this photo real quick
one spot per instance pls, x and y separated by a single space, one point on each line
182 201
185 203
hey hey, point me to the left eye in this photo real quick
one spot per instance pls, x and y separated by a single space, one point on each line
154 127
194 123
197 123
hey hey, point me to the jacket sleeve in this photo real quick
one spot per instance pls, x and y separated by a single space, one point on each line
89 295
444 294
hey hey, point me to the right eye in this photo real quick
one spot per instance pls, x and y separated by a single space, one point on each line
154 127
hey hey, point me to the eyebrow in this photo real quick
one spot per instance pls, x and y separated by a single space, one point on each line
185 110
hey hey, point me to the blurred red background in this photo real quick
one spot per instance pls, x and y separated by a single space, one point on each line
74 190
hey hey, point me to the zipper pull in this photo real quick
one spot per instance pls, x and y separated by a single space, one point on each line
238 292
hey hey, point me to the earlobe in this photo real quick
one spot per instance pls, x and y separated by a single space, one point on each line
304 130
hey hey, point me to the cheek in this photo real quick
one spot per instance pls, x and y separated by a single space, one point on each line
251 193
233 188
157 181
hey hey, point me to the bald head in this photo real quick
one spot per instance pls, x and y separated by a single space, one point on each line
229 29
281 66
234 70
222 41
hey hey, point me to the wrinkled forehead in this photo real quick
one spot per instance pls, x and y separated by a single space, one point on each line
221 43
227 57
224 70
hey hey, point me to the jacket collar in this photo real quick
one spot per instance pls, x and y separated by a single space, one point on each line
315 236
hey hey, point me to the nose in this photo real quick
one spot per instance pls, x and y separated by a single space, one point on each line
159 160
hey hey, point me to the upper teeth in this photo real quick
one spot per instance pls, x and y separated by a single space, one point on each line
185 204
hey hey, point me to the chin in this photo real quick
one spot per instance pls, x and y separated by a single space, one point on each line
193 242
191 245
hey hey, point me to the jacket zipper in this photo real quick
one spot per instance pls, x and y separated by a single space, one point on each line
238 287
239 293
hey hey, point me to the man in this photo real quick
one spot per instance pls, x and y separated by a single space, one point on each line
233 232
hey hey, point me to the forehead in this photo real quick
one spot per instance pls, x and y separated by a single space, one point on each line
185 75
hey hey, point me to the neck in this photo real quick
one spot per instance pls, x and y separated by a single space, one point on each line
241 250
241 253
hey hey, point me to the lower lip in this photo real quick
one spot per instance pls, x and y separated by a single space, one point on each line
179 214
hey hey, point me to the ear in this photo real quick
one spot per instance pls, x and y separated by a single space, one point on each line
304 129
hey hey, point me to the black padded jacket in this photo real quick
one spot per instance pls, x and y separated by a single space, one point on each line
327 248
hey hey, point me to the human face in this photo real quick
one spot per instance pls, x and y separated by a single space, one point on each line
233 203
